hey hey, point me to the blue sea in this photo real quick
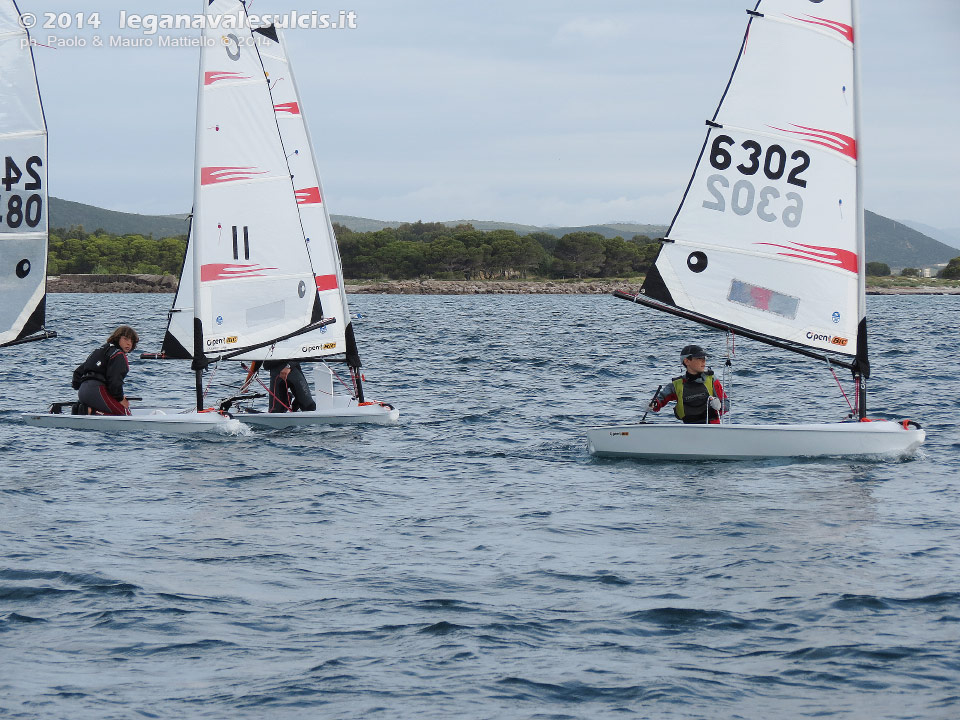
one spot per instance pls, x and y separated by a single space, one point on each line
474 561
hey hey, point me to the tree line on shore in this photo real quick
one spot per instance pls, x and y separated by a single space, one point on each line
411 251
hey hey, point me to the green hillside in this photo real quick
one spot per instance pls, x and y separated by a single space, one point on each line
888 241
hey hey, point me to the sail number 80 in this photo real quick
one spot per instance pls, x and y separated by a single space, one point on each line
744 198
22 208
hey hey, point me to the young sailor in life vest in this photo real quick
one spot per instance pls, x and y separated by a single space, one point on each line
99 378
697 394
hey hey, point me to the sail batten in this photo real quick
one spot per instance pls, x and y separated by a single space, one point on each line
766 236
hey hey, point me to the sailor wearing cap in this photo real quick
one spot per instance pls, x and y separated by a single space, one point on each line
699 397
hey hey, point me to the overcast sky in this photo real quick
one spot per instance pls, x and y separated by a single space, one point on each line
531 111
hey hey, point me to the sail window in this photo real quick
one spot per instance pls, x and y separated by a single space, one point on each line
262 314
764 299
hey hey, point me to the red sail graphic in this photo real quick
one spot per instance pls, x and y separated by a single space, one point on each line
326 282
214 175
226 271
835 257
835 141
839 27
212 76
308 196
288 107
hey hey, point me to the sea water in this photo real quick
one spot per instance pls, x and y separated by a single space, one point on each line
474 561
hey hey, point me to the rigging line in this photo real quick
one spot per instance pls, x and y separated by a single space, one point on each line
216 367
270 392
840 385
337 376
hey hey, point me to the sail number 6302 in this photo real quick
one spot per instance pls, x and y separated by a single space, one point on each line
744 198
774 160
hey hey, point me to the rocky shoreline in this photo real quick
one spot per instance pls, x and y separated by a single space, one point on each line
168 284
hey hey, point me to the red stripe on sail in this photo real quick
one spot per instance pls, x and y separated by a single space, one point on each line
835 257
210 77
835 141
326 282
214 175
227 271
839 27
288 107
308 196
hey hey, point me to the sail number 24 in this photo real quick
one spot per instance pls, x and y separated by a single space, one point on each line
744 196
19 211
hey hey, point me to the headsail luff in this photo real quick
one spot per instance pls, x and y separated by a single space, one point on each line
768 238
24 220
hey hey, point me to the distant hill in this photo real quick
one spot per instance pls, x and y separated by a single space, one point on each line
949 236
67 214
899 246
888 241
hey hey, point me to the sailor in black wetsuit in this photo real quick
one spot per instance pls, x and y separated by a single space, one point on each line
286 380
99 378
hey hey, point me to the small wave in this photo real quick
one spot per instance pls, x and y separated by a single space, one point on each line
604 578
18 619
442 628
445 604
578 692
30 593
143 649
676 620
858 652
872 602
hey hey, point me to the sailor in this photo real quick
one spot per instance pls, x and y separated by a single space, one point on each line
698 396
289 390
99 378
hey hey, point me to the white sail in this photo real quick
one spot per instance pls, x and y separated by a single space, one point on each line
315 250
768 237
23 184
248 274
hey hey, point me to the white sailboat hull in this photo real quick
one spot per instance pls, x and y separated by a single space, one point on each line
373 413
166 421
655 441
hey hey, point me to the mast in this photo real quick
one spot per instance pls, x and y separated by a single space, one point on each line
861 364
199 358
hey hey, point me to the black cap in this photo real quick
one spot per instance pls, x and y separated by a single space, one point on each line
692 351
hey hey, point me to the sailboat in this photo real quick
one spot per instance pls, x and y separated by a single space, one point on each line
768 241
23 213
309 239
249 289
